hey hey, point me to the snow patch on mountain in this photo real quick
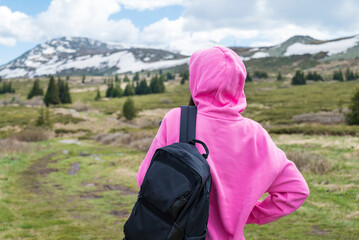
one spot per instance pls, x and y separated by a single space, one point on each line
77 55
333 47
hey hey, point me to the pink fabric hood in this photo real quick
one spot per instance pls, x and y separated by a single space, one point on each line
217 77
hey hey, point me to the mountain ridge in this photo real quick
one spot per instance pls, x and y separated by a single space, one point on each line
80 55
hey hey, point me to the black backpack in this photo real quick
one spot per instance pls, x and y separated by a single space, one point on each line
173 202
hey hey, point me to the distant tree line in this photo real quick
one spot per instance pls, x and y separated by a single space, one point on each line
7 88
349 75
136 87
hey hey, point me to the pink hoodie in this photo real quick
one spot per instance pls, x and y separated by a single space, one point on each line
245 163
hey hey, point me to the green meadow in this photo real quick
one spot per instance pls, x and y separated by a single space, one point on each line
78 179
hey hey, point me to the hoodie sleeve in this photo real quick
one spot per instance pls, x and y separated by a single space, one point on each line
287 192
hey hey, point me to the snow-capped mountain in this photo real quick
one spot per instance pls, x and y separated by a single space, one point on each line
77 55
337 49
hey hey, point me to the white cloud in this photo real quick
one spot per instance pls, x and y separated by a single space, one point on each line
149 4
275 20
8 41
203 23
171 34
16 26
86 18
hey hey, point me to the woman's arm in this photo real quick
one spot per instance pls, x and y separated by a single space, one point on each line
286 194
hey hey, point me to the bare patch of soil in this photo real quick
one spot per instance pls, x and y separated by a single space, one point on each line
121 214
122 189
317 231
74 169
90 195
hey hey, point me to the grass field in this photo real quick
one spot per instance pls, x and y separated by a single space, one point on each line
85 188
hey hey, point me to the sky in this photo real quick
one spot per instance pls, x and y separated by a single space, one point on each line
178 25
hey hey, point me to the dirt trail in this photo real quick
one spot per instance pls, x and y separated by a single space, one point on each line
35 176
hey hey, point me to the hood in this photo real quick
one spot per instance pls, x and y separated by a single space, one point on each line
217 77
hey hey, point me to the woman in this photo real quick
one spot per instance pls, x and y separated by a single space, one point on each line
245 163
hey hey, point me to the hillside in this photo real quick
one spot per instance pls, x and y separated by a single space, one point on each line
77 56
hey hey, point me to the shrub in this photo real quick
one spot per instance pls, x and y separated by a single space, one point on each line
33 134
129 110
11 145
309 162
44 120
67 131
260 74
98 95
80 107
280 77
249 78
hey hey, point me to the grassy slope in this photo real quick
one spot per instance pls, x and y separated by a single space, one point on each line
39 202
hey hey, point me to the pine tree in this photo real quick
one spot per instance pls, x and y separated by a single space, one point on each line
338 75
109 89
116 91
280 77
0 79
299 78
61 87
170 76
142 88
352 118
313 76
83 78
117 79
67 78
129 110
98 95
36 90
185 75
349 75
249 78
67 95
126 79
182 81
136 78
161 83
52 93
129 90
155 85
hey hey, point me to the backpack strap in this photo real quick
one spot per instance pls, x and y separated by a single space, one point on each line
188 123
